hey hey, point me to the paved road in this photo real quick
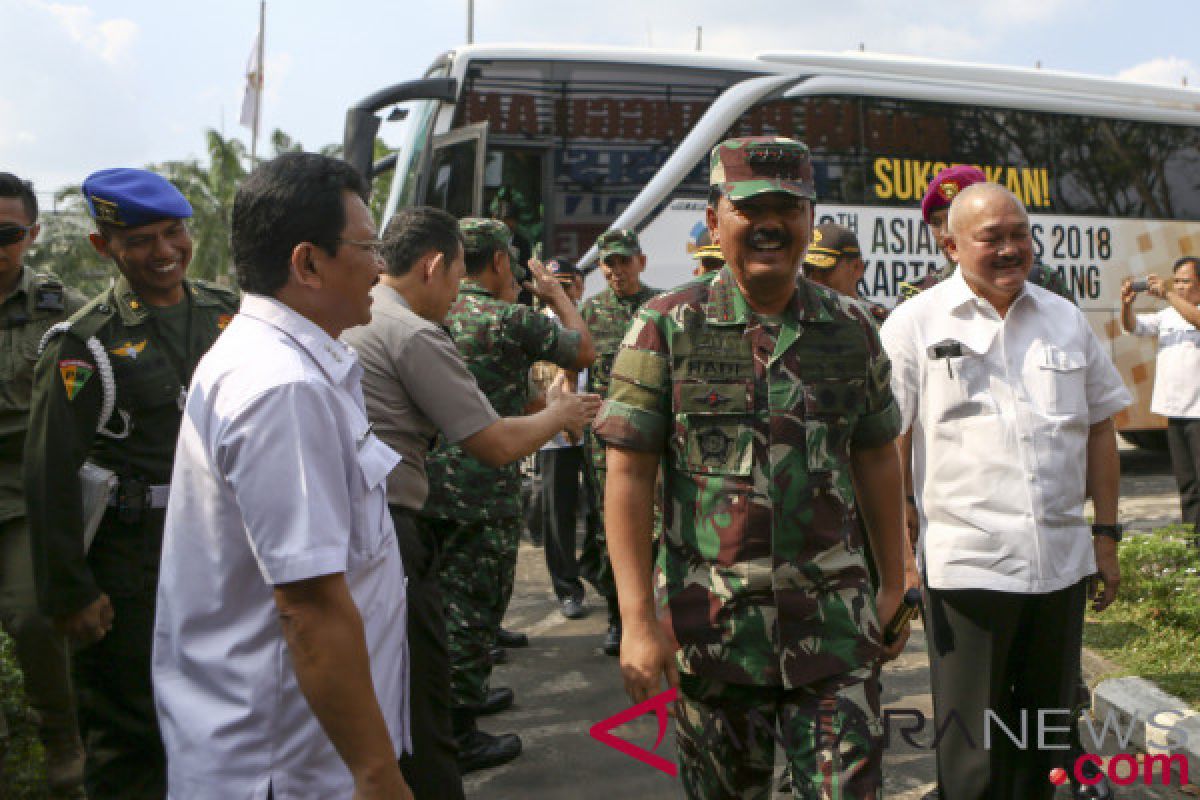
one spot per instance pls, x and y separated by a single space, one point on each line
565 684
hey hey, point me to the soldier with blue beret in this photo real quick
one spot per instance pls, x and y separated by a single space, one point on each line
109 390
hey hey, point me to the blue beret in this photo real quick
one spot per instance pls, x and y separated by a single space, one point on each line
132 197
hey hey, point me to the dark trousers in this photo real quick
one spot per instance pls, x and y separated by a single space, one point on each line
561 470
1183 439
1006 653
125 756
431 769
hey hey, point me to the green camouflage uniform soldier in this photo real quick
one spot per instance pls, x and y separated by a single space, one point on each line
767 400
935 208
29 305
474 510
608 316
109 389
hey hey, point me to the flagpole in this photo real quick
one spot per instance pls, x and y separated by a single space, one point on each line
262 24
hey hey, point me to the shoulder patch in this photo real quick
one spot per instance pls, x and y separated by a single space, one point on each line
75 374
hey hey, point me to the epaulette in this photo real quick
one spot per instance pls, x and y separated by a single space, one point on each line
87 321
210 294
907 290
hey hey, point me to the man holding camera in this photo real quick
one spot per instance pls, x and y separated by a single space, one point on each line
1176 370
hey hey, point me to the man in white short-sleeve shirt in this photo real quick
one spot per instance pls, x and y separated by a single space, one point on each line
1176 371
1009 397
280 663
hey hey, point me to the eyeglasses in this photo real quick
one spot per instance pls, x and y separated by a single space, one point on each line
11 234
372 246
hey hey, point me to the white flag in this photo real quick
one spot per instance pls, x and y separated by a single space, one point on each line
254 85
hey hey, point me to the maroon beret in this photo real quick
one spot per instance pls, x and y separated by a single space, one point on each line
947 184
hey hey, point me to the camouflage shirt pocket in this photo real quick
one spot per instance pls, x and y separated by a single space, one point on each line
831 408
715 427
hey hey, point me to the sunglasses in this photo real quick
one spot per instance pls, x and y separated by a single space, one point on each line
11 234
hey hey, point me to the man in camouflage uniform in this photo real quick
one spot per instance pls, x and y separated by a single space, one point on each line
474 510
29 305
767 399
935 210
834 260
608 316
109 389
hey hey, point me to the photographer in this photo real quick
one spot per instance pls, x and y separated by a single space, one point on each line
1177 370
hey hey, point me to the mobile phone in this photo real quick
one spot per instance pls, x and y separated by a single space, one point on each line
1140 286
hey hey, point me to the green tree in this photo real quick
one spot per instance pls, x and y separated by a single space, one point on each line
209 184
63 247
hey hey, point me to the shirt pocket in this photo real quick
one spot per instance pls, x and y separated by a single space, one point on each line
959 387
831 408
1061 384
715 433
375 461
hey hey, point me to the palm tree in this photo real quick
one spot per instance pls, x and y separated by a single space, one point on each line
209 186
63 248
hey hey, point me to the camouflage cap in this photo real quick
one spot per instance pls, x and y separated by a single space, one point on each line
619 241
484 234
754 165
830 242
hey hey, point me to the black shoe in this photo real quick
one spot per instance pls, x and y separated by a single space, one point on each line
511 639
497 655
573 608
612 641
497 700
478 750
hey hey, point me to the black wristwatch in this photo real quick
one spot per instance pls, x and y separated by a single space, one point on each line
1111 531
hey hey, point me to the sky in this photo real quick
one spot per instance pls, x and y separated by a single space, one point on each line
89 85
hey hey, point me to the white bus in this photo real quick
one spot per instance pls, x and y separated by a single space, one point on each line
590 138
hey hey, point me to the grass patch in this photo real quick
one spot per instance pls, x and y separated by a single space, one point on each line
22 775
1153 629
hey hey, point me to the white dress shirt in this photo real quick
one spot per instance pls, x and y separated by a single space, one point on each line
277 478
1177 366
999 410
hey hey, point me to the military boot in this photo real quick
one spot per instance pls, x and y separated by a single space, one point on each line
478 750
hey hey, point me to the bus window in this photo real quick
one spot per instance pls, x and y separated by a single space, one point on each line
1056 163
831 127
604 128
456 171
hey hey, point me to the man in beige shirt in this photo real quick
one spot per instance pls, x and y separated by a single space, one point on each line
416 385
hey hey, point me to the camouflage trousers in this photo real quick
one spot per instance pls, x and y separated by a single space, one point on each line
829 732
594 565
478 565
